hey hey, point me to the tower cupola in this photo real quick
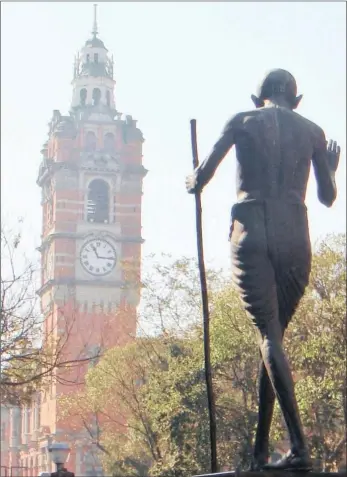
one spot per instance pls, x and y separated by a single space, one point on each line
93 83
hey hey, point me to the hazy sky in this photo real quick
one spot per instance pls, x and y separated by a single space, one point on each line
173 62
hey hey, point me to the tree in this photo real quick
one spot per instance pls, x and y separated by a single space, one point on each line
235 360
110 408
141 433
26 358
171 296
150 396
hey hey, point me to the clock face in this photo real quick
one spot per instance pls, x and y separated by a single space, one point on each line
98 257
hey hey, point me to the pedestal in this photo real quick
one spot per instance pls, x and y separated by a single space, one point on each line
274 473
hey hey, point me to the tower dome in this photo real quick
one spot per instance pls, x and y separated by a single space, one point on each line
95 43
93 83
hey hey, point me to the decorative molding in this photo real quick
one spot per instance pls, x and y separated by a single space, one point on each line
100 161
74 282
49 167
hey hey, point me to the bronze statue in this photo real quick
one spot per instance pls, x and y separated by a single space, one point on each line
269 236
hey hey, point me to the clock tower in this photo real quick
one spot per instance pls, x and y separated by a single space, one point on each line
91 177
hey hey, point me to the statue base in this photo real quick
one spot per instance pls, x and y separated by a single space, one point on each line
274 473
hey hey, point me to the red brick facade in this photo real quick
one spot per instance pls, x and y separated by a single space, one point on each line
91 180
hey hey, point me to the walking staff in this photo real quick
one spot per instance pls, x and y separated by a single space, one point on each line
208 372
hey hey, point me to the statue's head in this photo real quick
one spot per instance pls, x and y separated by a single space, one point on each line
277 83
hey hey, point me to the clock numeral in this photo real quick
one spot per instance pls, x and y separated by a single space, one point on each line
109 264
86 263
97 270
91 268
85 256
98 244
104 269
105 245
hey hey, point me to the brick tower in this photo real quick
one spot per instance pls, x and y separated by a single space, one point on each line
91 178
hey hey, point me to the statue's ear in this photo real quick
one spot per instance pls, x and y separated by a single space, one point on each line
259 103
297 101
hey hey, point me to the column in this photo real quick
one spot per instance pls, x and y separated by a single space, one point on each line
23 415
38 414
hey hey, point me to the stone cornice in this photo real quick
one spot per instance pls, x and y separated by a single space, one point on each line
136 169
72 282
48 167
109 164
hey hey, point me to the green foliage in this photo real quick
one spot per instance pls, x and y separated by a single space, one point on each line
150 396
235 358
171 297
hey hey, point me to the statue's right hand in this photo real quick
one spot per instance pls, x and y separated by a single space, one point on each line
192 183
333 151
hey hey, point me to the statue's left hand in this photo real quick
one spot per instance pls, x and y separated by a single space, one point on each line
192 183
333 151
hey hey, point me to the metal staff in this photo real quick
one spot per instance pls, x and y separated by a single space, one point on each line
205 309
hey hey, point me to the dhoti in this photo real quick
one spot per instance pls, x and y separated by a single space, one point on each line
271 256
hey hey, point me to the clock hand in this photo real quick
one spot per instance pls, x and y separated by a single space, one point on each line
108 258
96 253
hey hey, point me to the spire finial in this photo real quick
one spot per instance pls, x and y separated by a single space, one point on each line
95 25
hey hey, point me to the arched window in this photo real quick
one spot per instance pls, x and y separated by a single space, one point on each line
98 202
96 96
108 98
96 58
109 142
83 96
90 141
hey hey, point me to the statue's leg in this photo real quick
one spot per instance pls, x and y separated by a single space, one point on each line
252 271
278 370
290 285
265 390
271 269
257 281
254 276
265 412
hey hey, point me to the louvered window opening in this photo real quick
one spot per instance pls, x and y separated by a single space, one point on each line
98 202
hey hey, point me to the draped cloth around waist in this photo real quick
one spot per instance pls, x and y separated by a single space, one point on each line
271 257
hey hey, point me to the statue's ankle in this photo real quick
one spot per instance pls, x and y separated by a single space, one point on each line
258 461
261 455
301 451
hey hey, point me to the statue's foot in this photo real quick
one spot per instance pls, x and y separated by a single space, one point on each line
291 461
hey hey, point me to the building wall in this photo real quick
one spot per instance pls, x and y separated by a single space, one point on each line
81 310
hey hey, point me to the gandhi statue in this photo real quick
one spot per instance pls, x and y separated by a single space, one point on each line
270 244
